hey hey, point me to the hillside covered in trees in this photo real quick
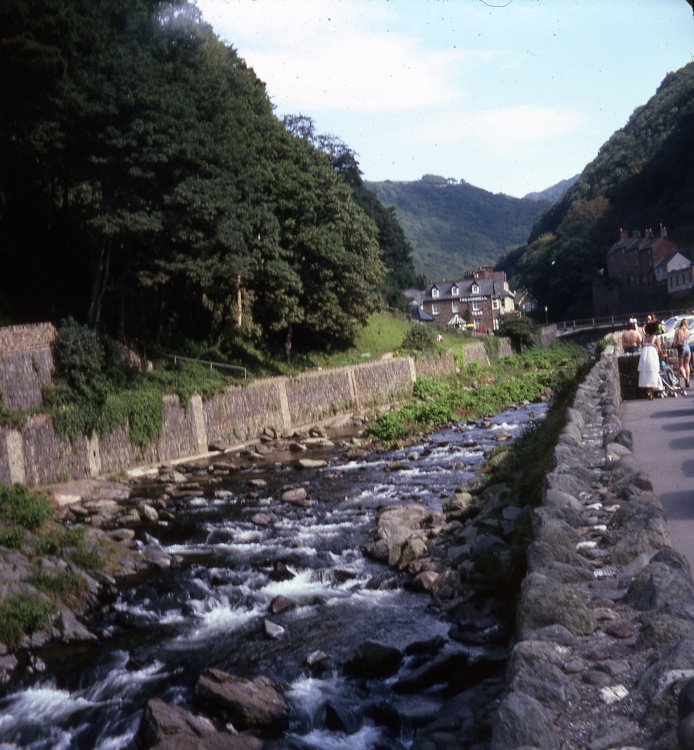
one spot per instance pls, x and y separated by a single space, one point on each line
148 189
454 226
642 177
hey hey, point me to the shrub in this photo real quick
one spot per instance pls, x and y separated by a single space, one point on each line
22 507
12 537
429 388
522 332
80 356
66 585
20 614
491 347
11 418
420 338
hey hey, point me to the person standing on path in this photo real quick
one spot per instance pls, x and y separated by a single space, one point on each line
631 338
649 361
681 343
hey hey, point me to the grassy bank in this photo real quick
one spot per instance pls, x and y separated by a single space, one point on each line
480 391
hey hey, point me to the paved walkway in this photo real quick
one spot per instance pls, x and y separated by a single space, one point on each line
663 431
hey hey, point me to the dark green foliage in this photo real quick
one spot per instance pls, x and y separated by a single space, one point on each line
20 506
397 251
68 544
79 355
530 456
522 332
456 227
12 537
83 400
148 189
421 338
491 348
20 614
11 418
58 539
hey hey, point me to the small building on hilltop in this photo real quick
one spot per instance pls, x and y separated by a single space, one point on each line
477 300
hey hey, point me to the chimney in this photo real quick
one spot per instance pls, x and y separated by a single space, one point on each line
663 231
649 234
623 234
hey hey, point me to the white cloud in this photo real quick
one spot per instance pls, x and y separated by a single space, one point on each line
506 127
359 73
318 56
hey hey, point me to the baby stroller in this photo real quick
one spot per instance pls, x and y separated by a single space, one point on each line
670 381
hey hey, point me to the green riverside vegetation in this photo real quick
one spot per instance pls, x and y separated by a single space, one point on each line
480 391
56 557
92 392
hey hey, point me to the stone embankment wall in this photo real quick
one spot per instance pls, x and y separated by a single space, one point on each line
36 454
26 363
605 624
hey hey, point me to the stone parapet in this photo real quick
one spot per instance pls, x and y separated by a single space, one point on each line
605 623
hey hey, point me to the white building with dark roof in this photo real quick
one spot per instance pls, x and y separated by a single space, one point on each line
477 300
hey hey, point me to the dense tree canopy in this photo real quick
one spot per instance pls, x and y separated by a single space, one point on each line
149 189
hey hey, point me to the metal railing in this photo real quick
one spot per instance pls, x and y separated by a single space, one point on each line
176 357
567 327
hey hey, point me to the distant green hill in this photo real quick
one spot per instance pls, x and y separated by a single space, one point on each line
454 227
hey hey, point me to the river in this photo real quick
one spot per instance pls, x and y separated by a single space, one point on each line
237 548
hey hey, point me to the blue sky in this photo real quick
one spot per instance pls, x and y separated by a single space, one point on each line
510 96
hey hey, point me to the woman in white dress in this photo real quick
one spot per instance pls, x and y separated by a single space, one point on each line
649 361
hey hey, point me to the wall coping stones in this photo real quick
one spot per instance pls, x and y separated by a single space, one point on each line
606 612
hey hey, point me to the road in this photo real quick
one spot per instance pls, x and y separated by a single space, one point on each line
663 431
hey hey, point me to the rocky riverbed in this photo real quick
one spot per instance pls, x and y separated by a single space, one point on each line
444 548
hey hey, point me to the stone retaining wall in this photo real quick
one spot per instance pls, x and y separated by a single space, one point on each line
605 623
26 363
36 454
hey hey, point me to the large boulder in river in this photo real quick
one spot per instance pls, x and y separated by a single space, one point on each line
165 727
249 704
397 526
374 660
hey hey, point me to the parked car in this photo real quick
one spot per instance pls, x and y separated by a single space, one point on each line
672 324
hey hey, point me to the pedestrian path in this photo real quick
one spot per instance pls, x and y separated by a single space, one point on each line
663 432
